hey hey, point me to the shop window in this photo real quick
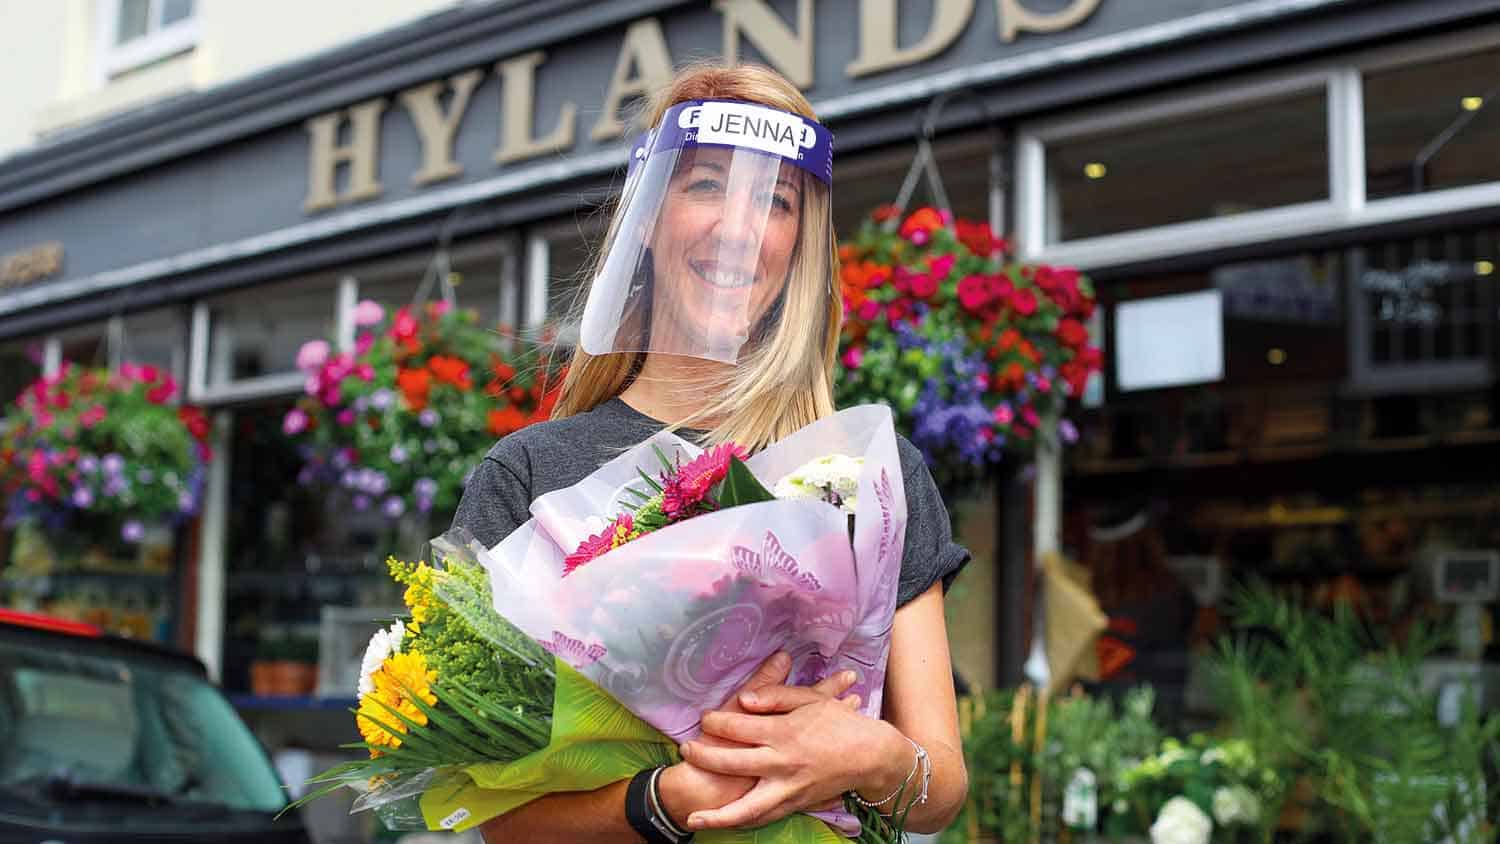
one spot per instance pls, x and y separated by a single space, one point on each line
158 338
85 345
1432 126
477 273
1426 317
136 33
20 364
256 333
564 257
1216 163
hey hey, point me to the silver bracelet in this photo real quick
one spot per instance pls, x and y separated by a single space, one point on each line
921 761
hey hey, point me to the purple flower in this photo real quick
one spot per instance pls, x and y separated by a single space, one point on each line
132 531
424 505
382 399
185 503
398 454
429 446
394 507
350 479
83 498
361 404
295 422
425 487
346 417
88 464
342 459
1068 431
145 476
376 483
305 476
361 502
113 464
428 417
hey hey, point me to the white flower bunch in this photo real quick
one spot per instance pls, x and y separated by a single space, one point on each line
833 478
1181 822
1236 805
382 645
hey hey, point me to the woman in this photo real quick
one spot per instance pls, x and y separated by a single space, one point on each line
714 311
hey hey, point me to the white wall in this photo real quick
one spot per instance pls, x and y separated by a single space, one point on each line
50 74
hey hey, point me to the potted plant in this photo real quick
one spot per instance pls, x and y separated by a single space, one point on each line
975 352
98 460
398 421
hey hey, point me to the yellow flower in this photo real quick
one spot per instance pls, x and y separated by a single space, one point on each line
402 678
419 595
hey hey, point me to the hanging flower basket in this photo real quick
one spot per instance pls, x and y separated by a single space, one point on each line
976 353
87 448
399 421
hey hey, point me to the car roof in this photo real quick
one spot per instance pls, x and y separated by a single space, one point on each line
49 631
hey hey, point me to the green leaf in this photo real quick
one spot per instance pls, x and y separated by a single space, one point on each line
740 486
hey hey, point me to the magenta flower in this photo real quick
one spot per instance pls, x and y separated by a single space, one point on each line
941 265
853 357
690 484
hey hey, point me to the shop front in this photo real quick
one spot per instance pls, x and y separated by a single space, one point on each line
1288 215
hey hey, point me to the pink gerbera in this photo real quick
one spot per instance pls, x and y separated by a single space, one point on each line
619 532
689 486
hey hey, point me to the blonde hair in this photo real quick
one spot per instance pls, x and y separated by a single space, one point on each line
785 382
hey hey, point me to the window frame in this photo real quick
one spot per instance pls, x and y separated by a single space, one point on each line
159 42
1346 206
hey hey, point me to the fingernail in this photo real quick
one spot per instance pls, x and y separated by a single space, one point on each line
856 701
683 748
749 698
849 677
782 658
694 822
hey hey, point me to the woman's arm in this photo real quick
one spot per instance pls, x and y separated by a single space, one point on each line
599 815
805 752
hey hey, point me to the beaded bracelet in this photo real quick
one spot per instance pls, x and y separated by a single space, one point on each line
921 761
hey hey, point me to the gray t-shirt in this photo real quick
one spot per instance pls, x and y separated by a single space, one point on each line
553 455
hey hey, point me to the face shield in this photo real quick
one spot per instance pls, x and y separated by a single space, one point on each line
709 232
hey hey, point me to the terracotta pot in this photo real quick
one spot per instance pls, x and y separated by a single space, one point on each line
262 679
292 679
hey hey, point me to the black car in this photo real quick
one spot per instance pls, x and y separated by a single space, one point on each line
104 739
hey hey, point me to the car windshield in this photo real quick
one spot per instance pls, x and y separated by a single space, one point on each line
81 727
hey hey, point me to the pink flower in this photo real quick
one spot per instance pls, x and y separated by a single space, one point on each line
619 532
295 422
1003 414
941 266
690 484
363 343
924 286
919 237
973 292
365 372
853 357
868 310
346 416
1028 413
368 313
312 356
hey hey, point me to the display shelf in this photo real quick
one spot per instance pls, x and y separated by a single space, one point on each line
41 584
257 703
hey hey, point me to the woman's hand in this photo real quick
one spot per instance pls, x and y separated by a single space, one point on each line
805 748
687 788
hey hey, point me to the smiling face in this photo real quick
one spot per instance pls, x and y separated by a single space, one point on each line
722 247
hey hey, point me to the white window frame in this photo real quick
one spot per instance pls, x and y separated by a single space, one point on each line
1346 206
159 41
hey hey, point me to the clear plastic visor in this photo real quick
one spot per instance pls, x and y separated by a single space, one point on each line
703 248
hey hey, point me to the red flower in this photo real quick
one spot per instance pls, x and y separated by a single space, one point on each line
1024 302
506 420
923 286
885 212
450 370
973 292
919 226
161 394
979 238
689 485
404 327
1071 332
415 385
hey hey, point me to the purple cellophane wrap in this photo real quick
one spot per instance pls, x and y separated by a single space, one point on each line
673 623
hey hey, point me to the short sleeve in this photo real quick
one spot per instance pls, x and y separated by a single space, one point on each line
497 498
930 554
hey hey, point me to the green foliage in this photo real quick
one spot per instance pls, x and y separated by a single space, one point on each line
1340 706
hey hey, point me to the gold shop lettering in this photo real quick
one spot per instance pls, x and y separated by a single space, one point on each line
349 138
33 264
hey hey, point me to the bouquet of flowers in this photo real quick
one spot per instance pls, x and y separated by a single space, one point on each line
628 605
973 351
398 421
87 445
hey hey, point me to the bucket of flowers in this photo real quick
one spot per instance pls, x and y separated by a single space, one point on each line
1196 792
976 353
92 461
398 421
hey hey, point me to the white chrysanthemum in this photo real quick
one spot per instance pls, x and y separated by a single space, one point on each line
838 473
1236 805
382 644
1181 822
1212 755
